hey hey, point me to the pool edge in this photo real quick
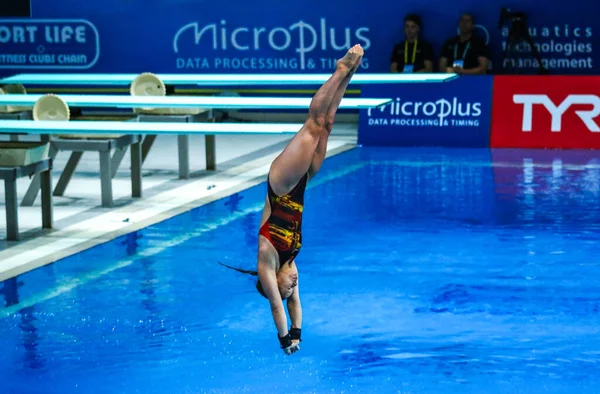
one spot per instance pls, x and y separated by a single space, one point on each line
339 147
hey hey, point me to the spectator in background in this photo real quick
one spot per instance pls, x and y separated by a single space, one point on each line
465 53
412 54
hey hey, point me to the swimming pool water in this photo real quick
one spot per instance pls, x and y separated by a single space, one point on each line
422 271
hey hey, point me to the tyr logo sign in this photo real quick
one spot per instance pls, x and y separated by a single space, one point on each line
556 111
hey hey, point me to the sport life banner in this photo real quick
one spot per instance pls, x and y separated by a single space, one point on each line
37 45
546 112
454 113
264 36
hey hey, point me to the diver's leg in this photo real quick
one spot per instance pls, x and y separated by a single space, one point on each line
295 160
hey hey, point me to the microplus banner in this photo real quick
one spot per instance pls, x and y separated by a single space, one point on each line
455 113
195 36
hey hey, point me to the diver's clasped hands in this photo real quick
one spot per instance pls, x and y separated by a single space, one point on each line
291 342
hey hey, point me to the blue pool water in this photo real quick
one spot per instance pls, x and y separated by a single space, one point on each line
423 271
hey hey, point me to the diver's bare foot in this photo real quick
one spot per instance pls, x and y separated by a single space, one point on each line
356 65
348 62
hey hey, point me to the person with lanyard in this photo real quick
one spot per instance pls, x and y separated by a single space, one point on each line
465 53
413 54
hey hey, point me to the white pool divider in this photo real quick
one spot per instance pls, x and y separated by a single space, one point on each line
212 102
50 127
224 79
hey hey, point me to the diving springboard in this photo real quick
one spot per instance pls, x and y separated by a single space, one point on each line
50 127
224 79
213 102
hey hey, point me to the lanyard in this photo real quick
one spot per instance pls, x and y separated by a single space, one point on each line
464 52
414 54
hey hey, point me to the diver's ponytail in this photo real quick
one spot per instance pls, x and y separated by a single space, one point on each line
243 271
249 272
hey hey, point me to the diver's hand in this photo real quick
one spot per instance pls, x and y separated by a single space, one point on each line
296 334
288 345
295 346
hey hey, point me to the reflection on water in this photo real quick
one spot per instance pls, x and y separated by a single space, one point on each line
152 326
30 339
10 290
131 243
28 331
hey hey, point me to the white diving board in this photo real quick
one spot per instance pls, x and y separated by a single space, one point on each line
143 128
131 129
213 102
223 79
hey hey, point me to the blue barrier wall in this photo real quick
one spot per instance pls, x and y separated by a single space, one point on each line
455 113
272 36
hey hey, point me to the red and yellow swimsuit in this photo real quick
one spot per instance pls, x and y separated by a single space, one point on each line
283 227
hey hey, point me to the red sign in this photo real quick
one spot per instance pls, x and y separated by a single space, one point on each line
546 112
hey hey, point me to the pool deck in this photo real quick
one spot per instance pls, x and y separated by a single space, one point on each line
80 222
